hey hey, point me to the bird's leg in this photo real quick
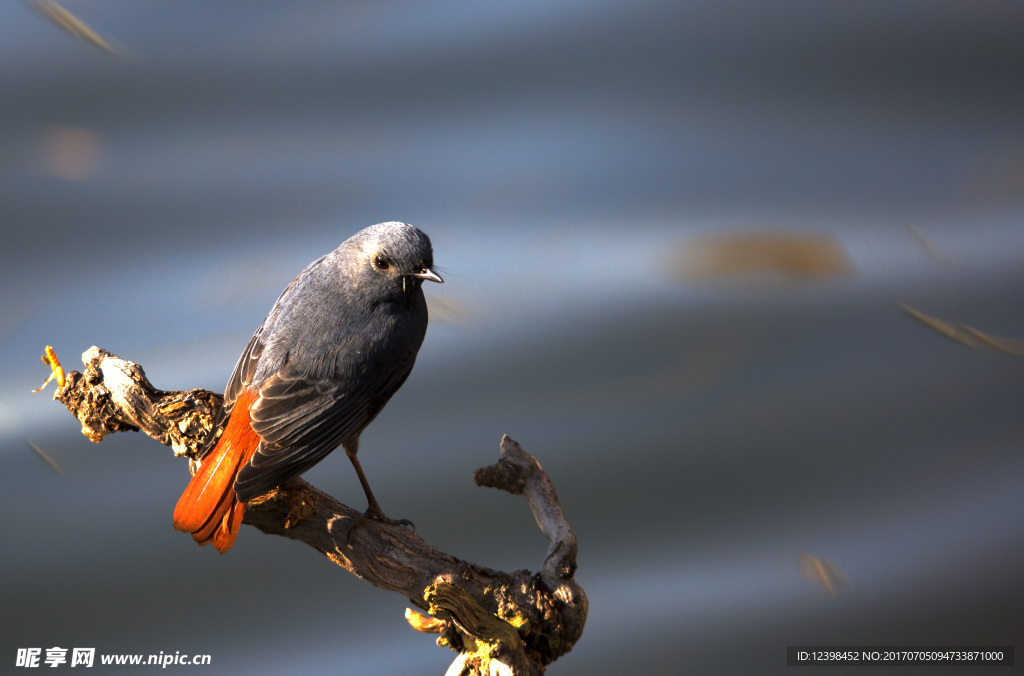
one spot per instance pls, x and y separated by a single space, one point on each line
373 510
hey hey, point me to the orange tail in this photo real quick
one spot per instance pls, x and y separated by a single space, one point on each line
208 509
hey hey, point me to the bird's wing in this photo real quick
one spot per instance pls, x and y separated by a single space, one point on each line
302 418
245 369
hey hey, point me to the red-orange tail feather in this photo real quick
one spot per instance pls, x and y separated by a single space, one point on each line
208 509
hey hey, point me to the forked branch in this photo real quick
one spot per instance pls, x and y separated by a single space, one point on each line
506 623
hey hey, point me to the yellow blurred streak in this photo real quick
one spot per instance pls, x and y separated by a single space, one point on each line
824 572
927 244
760 256
72 24
968 335
50 462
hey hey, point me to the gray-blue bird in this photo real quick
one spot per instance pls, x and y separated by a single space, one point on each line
340 340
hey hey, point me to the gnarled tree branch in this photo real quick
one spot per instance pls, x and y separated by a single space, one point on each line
507 623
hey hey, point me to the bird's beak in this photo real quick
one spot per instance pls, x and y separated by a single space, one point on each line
427 273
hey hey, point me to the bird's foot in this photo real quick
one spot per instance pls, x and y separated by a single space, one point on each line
374 512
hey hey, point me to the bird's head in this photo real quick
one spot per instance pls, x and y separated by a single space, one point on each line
396 254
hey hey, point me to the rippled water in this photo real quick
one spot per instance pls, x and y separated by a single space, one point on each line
706 435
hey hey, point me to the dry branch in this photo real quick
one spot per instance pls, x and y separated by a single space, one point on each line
510 623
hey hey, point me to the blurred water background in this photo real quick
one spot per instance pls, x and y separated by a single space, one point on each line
675 236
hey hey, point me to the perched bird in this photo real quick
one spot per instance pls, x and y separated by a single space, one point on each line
340 340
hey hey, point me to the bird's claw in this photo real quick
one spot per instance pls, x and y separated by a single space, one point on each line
378 515
401 522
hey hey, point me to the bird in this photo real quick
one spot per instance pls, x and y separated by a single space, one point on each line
339 342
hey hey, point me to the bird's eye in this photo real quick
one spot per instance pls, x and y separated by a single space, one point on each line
380 262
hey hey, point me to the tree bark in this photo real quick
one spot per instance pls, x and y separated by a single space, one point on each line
500 623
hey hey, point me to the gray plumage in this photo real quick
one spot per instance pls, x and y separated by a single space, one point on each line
340 340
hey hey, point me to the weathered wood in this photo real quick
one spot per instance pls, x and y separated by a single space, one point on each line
506 623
